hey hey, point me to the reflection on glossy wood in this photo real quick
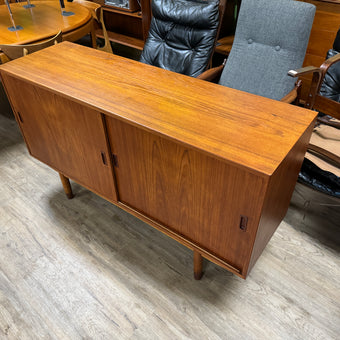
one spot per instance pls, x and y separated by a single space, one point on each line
41 22
201 107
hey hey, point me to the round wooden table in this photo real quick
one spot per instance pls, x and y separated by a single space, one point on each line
43 21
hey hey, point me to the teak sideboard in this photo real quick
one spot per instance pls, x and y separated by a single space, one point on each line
212 167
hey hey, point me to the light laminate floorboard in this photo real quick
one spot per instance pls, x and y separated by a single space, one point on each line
84 269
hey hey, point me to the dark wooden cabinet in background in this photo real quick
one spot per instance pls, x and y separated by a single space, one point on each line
126 27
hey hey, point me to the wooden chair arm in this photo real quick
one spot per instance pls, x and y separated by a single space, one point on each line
91 6
304 70
100 20
329 62
328 106
315 84
291 96
318 76
328 119
325 154
213 74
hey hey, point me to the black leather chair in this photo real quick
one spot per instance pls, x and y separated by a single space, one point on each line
182 35
321 167
330 87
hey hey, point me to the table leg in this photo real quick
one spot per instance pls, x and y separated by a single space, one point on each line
198 260
66 185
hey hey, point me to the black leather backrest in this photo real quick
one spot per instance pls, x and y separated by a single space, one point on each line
182 35
336 44
330 87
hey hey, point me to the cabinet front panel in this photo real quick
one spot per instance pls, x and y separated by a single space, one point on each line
196 196
65 135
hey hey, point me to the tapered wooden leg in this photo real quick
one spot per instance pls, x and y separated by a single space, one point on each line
66 185
93 38
198 260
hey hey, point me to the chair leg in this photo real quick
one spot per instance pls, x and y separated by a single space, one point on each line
66 185
198 260
93 39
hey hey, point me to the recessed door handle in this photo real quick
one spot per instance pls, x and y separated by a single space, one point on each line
103 157
20 118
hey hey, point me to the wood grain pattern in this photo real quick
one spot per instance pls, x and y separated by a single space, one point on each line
85 269
41 22
77 145
123 23
325 26
180 165
194 195
258 138
280 189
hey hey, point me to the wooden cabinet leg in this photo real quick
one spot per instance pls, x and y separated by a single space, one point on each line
66 185
198 260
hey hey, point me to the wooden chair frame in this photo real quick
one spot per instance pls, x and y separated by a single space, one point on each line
320 103
16 51
98 23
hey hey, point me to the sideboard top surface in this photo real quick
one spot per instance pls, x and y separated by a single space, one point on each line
231 125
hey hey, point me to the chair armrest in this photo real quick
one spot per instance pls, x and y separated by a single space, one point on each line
329 120
325 153
312 69
290 97
329 62
326 105
91 6
304 70
318 76
315 84
213 74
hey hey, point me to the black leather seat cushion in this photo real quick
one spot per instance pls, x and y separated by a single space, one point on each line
318 179
182 35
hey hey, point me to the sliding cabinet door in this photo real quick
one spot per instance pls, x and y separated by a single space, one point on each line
189 192
65 135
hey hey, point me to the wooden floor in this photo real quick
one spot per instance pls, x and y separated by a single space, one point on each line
84 269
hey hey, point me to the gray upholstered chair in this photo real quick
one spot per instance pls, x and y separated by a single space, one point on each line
182 35
271 38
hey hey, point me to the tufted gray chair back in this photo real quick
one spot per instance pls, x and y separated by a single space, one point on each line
271 38
182 35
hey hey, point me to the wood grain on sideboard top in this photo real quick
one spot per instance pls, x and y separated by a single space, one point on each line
237 127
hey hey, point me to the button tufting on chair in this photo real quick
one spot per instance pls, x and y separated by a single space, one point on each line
182 35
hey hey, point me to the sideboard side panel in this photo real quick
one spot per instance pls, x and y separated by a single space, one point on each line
280 190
